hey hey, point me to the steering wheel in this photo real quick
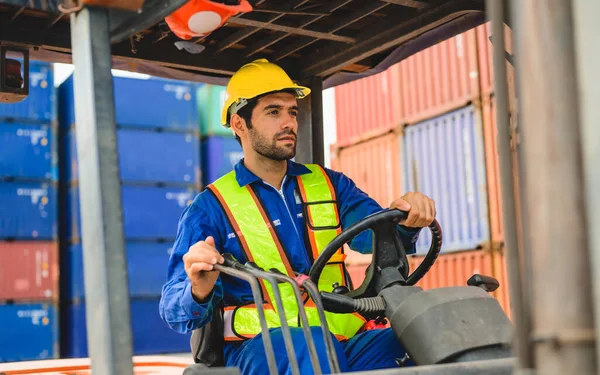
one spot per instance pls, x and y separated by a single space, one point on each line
389 265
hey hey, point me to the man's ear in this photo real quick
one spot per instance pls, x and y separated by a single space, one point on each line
238 124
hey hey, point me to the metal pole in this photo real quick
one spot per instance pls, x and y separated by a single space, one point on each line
106 288
515 283
311 147
556 236
587 34
316 98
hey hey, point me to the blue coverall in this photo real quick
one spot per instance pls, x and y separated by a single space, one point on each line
204 217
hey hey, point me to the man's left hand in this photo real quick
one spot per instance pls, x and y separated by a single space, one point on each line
420 208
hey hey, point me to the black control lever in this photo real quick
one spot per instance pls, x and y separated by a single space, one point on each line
487 283
338 303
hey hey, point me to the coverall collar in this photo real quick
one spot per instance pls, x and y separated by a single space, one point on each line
245 177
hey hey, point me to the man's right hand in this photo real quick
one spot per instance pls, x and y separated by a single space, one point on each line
199 262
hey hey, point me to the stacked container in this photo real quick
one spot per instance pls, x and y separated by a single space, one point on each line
220 150
426 124
159 164
28 222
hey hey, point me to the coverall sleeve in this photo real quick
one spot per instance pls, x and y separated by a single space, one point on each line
177 307
354 205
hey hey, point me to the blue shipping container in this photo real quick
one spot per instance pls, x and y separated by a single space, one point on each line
28 210
146 103
40 105
219 155
444 159
28 151
149 212
148 156
146 269
150 333
28 332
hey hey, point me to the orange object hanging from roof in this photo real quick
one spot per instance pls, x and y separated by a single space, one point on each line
200 17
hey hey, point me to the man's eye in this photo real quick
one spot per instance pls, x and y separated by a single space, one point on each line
294 113
274 112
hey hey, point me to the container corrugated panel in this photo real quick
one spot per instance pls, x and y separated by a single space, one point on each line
146 269
40 105
211 99
375 167
444 159
149 213
28 151
28 210
219 155
139 160
439 79
150 334
367 107
28 332
146 103
28 270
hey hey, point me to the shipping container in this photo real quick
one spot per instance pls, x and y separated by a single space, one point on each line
40 106
143 103
444 159
367 107
150 333
28 210
375 167
28 332
211 99
452 269
28 270
146 269
440 78
28 151
147 156
149 212
219 155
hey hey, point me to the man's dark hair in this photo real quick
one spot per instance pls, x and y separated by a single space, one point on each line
246 113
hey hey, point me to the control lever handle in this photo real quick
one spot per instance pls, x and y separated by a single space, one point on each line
487 283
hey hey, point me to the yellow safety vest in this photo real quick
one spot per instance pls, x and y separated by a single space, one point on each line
260 243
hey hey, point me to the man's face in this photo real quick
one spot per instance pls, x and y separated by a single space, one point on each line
275 126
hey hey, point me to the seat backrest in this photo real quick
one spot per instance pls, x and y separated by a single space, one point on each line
207 342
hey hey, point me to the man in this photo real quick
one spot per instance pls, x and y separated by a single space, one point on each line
279 214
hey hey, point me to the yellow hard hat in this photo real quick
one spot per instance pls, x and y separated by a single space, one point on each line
254 79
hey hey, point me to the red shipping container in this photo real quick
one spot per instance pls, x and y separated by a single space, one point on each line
374 166
439 79
28 270
367 107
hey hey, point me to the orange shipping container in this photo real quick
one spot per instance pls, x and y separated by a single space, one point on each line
367 107
374 166
440 78
453 269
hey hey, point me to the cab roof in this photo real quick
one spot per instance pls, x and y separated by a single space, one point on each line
336 40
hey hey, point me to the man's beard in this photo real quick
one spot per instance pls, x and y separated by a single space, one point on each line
269 149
